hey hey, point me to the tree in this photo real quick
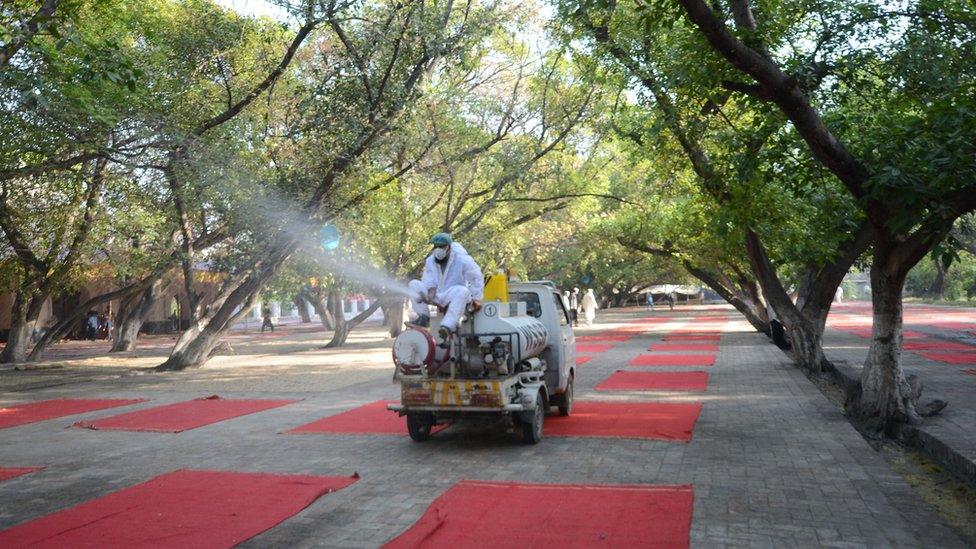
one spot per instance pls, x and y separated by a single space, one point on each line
488 145
725 141
64 99
906 127
349 98
24 25
153 98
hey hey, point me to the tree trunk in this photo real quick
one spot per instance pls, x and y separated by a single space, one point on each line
195 345
338 318
132 314
344 327
885 399
806 337
395 314
23 315
746 302
18 336
938 285
302 304
322 309
817 290
72 319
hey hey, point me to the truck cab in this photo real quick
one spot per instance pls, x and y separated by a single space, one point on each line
544 302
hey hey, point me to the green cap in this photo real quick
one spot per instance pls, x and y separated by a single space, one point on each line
441 239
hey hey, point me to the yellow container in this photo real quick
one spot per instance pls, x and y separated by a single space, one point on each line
496 288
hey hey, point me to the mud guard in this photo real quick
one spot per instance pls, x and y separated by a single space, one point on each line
527 398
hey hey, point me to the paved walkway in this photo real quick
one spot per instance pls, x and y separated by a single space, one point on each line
772 461
954 431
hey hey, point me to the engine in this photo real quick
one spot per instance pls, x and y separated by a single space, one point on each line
498 340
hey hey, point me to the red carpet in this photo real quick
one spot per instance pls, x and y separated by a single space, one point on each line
593 348
179 509
632 328
476 514
865 333
182 416
692 337
7 473
580 360
653 319
953 325
672 360
628 332
22 414
623 380
370 419
684 347
643 420
596 338
950 358
937 346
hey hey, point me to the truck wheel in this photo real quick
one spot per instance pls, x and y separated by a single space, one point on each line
419 424
532 422
566 402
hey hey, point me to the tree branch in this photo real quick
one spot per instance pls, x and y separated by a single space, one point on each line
27 31
255 92
568 195
785 93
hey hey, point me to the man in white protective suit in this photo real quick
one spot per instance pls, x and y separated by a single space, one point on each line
451 279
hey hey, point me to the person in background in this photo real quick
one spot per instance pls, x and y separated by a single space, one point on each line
91 325
589 306
104 326
574 307
650 301
839 295
266 315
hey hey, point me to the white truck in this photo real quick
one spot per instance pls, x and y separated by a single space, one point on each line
511 359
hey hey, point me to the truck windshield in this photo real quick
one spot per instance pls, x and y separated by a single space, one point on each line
531 299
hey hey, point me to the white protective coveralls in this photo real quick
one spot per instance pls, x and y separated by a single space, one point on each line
589 306
458 283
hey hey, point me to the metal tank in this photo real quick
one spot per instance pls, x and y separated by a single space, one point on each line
492 341
510 318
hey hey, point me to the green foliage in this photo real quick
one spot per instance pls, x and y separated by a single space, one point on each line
960 279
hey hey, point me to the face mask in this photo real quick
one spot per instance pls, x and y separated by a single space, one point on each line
440 253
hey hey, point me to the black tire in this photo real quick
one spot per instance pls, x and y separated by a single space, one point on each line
532 422
419 424
566 402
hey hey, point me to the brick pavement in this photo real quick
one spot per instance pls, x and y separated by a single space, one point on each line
772 461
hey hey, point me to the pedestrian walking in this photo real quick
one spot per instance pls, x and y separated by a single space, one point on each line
650 301
589 306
